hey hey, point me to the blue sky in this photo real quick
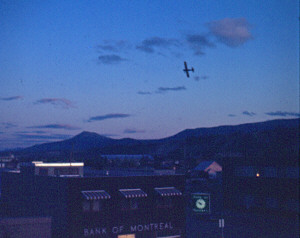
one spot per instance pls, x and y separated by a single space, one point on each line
115 67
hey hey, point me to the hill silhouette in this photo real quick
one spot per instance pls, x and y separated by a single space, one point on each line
276 140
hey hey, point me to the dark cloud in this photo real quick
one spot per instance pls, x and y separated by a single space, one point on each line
109 135
166 89
11 98
283 114
8 125
231 115
232 32
108 116
113 46
44 138
132 131
144 93
198 78
198 43
61 102
251 114
55 126
151 44
111 59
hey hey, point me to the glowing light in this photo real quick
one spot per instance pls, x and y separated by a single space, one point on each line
59 164
257 174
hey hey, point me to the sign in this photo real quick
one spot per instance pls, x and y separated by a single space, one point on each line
136 228
201 203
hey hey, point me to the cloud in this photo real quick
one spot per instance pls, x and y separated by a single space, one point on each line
166 89
232 32
109 135
113 46
250 114
43 137
283 114
132 131
231 115
144 93
111 59
55 126
12 98
151 44
62 102
198 78
108 116
8 125
198 42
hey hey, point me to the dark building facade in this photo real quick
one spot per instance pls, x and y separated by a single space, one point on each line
123 207
261 186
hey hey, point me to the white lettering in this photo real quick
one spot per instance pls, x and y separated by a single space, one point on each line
151 226
140 228
166 226
85 232
115 230
133 228
146 227
98 231
161 226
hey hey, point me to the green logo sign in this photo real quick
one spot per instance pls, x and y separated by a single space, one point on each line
201 203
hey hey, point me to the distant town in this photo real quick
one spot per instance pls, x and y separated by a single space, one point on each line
230 181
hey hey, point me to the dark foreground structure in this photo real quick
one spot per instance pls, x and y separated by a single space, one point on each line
123 207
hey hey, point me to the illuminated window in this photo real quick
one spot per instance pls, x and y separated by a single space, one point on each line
127 236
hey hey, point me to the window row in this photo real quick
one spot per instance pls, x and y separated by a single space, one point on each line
126 204
267 172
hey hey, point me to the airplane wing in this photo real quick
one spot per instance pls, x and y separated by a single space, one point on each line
185 65
187 73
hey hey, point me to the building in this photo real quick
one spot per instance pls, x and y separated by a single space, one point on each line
211 168
105 206
8 162
25 227
261 186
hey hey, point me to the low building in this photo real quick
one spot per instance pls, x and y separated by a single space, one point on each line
25 227
105 206
261 186
8 162
212 168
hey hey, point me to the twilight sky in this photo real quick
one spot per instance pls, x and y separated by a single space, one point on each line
115 67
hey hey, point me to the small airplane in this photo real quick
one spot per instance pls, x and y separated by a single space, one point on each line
186 70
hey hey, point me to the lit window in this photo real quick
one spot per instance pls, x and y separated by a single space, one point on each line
127 236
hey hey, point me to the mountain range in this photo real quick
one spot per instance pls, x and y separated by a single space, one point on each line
277 140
